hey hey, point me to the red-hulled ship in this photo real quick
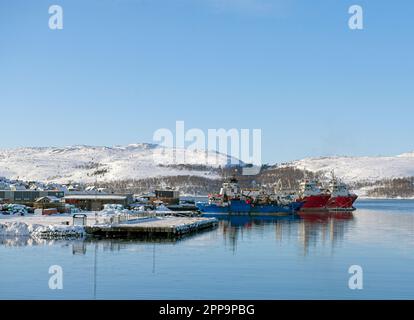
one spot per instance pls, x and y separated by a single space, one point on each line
311 194
341 198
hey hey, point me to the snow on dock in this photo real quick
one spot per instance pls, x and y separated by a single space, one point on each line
23 229
167 226
61 226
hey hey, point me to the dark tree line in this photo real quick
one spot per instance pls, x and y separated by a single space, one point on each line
198 185
393 188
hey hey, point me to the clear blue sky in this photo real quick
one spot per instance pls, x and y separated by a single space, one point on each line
122 69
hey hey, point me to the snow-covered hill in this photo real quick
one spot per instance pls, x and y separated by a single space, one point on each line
89 164
137 161
354 169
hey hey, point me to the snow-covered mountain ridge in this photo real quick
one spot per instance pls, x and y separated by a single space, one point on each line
89 164
358 169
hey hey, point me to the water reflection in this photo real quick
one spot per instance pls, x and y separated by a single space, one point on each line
24 241
80 245
291 257
79 248
321 229
234 228
311 229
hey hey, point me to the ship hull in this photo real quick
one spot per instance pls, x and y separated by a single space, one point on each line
239 207
315 203
342 203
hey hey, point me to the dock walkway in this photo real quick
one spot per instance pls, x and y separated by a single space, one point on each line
155 227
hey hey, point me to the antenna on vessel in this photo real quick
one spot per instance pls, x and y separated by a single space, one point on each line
305 173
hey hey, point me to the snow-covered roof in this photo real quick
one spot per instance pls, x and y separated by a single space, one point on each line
50 198
95 197
145 195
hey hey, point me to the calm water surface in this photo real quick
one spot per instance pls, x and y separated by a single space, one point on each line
273 258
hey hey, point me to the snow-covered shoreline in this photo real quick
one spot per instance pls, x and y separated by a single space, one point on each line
24 229
380 198
62 225
56 226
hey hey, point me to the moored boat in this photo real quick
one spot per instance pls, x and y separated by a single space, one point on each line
233 201
341 198
312 196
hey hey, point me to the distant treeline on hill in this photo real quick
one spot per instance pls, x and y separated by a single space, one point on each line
186 184
393 188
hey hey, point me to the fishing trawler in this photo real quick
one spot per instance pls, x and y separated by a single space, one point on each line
336 197
232 200
341 198
312 197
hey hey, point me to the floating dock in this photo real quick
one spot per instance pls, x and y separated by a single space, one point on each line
168 227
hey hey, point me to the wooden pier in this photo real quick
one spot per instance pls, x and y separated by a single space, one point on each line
167 227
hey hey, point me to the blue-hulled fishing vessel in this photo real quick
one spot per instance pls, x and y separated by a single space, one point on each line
232 200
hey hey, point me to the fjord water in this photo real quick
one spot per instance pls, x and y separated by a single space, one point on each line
257 258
